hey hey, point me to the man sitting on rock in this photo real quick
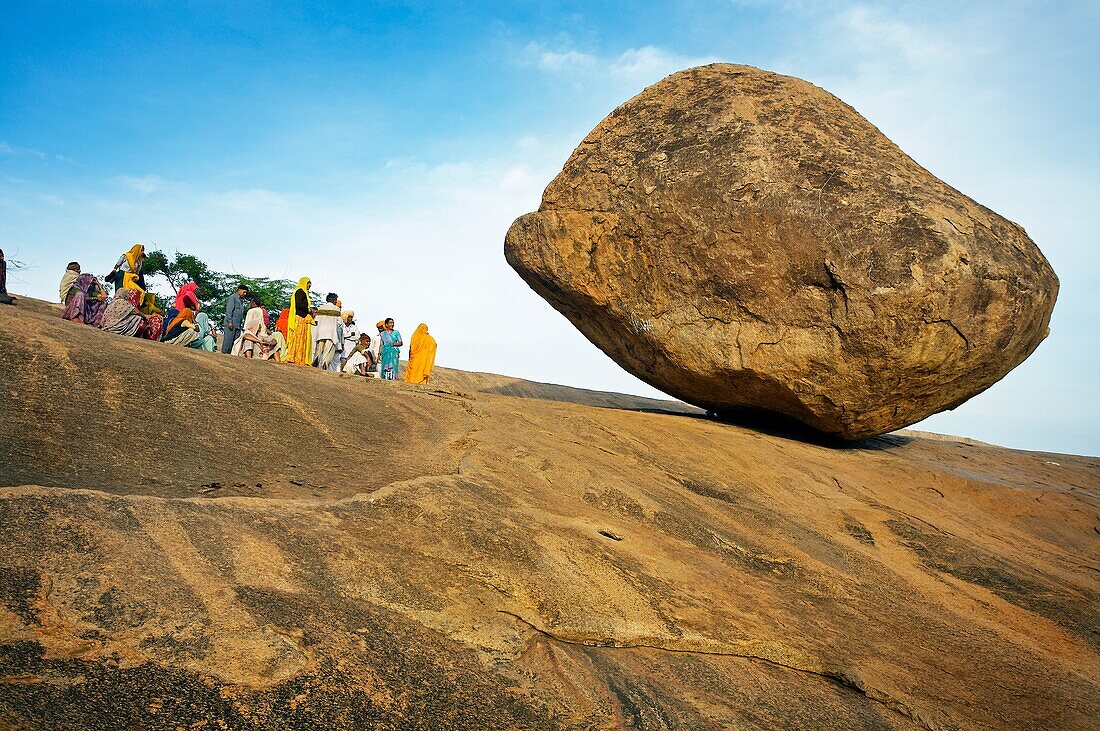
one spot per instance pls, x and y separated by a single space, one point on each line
361 361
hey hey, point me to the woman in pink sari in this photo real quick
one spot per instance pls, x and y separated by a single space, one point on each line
187 297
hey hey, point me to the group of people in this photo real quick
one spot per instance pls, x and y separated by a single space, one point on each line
324 337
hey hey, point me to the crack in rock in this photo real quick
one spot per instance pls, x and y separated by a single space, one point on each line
834 675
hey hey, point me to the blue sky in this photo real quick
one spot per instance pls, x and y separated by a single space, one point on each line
384 148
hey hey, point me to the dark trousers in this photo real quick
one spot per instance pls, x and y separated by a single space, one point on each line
230 336
4 297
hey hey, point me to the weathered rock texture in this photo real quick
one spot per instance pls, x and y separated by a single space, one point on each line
434 559
741 239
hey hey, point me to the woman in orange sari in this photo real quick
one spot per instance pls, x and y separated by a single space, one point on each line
299 326
421 356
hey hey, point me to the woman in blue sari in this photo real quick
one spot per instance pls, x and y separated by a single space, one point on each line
391 350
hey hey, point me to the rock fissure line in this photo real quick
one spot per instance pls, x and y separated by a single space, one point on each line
953 326
836 676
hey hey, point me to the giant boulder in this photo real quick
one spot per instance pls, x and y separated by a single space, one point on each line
747 241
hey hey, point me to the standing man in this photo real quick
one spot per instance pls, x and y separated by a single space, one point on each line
5 298
376 349
234 318
327 333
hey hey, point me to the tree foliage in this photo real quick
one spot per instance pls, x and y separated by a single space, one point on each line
215 287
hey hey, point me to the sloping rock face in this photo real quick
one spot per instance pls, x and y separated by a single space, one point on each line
382 556
741 239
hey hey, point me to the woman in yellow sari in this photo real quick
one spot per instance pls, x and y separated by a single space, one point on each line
130 263
421 356
134 258
299 326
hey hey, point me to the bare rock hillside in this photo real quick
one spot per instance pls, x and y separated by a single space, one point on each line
195 541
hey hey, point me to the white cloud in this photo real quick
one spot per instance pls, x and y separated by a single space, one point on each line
650 62
253 200
10 150
646 64
520 178
874 32
568 59
144 184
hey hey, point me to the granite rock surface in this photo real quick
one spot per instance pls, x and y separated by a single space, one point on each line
744 240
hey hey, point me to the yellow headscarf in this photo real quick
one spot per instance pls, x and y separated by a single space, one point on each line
299 339
292 320
130 281
133 257
149 305
421 356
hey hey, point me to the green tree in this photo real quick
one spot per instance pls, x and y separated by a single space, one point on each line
273 294
215 287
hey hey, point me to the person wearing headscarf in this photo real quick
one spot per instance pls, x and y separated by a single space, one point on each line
86 301
122 316
234 318
131 281
154 316
299 340
255 340
135 259
147 305
278 334
391 350
281 322
5 298
360 362
351 334
327 341
421 356
205 339
188 297
130 263
278 350
68 279
181 329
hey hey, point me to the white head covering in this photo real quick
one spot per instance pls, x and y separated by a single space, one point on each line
254 322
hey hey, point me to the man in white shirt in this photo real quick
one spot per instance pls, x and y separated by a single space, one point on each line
326 332
351 335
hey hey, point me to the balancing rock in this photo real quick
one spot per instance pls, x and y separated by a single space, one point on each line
744 240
